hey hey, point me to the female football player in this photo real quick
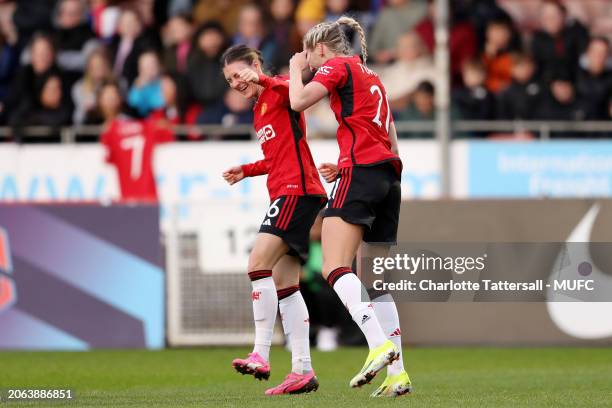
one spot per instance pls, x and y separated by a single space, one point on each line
365 202
296 197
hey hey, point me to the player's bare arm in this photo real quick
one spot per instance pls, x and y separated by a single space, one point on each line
302 97
393 139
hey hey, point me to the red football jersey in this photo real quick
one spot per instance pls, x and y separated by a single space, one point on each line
282 135
129 147
359 101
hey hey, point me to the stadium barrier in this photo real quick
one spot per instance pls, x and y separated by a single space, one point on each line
539 128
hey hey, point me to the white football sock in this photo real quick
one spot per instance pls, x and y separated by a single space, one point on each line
265 304
296 325
386 311
350 290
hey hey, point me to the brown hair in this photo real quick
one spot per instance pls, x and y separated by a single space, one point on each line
241 52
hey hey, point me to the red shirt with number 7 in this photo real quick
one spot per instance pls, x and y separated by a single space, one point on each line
130 145
359 101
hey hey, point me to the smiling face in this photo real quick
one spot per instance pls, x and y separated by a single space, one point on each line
246 89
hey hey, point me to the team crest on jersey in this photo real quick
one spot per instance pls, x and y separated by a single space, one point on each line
265 133
264 108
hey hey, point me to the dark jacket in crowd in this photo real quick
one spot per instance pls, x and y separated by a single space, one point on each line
519 101
559 56
71 53
32 16
205 79
594 93
553 110
474 103
26 88
143 43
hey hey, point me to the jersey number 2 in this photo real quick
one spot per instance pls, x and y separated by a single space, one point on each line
376 89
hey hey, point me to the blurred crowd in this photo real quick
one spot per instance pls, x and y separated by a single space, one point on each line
510 59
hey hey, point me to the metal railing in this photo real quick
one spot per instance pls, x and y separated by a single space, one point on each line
69 134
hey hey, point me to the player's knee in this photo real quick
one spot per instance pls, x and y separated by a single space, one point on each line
257 262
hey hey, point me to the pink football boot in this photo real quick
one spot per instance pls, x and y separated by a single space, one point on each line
254 365
296 384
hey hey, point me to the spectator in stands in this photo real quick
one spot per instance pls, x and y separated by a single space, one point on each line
239 111
127 45
104 19
32 16
176 7
462 40
474 101
84 92
9 61
284 34
225 12
421 108
29 80
145 95
179 30
176 109
308 13
560 104
396 18
337 8
252 32
110 105
73 39
594 85
204 78
559 43
496 56
49 109
521 99
413 66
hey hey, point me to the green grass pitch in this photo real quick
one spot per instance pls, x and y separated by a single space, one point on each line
443 377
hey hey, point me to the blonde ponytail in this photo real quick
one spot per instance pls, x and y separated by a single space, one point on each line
351 22
332 35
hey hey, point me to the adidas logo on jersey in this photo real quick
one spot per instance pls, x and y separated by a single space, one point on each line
397 332
267 222
364 319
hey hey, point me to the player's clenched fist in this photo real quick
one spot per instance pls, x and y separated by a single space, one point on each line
298 61
328 171
233 175
248 75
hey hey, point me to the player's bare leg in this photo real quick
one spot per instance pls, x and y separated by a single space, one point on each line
296 325
397 382
268 249
340 241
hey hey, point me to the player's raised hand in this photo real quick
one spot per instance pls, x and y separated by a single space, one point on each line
298 61
328 171
233 175
249 75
